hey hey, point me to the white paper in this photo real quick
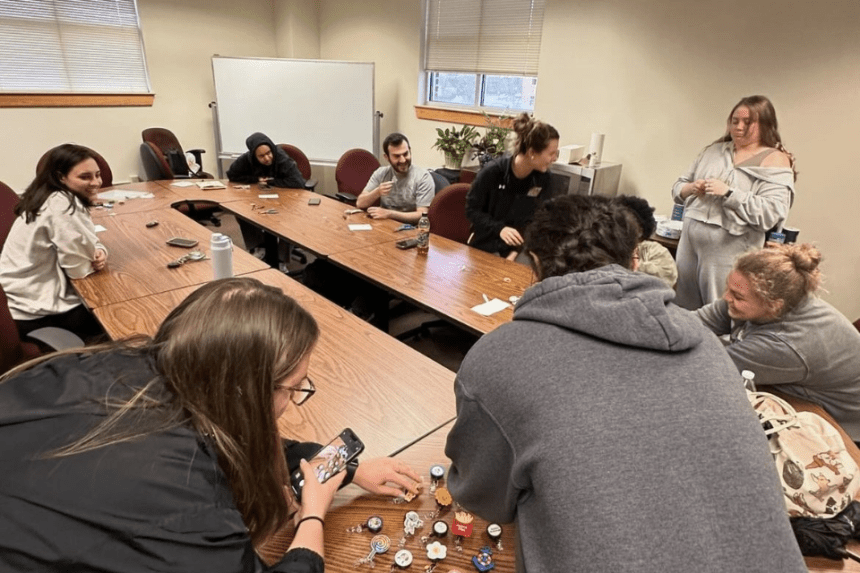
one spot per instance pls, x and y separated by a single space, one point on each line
211 185
361 227
268 195
491 307
99 228
182 184
123 195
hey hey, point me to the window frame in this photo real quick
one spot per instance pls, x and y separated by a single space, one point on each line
35 98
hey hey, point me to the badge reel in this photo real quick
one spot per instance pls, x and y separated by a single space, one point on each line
436 552
379 544
462 527
494 532
483 561
440 530
402 559
373 525
437 472
443 502
412 522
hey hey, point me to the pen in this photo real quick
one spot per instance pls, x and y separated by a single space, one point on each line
486 298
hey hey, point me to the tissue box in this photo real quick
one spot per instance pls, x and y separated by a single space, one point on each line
570 153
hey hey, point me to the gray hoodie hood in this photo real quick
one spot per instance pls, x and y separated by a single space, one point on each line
613 304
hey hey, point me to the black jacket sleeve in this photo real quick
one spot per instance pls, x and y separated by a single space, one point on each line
486 229
286 174
241 170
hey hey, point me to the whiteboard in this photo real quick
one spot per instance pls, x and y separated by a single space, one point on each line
322 107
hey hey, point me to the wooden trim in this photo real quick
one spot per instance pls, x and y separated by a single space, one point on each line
75 100
462 116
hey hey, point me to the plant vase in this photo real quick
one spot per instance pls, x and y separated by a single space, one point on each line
453 161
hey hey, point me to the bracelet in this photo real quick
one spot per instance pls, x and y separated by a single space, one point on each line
304 519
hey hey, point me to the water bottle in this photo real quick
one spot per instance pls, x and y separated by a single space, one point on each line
423 234
749 380
222 256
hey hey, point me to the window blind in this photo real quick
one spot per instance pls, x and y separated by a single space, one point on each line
484 36
71 46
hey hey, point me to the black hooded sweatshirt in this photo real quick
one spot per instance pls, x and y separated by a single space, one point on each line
283 172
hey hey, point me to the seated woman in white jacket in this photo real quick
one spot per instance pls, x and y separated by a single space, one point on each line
53 239
788 336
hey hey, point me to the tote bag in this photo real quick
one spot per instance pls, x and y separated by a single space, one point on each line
819 477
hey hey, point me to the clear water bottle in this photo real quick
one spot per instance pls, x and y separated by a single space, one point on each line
221 248
423 234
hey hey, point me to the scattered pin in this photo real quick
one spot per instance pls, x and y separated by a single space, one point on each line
379 544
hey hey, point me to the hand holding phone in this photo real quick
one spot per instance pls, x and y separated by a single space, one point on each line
329 461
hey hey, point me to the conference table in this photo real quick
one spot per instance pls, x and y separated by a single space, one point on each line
138 257
352 507
113 201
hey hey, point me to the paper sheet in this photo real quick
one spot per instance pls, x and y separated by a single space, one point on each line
123 195
360 227
99 228
182 184
490 307
268 195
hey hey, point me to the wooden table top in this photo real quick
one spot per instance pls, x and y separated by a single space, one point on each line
387 392
162 198
448 281
138 257
187 189
353 506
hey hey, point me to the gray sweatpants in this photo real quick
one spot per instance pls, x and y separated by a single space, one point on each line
706 255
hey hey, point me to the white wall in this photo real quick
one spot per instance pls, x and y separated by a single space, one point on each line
659 79
180 39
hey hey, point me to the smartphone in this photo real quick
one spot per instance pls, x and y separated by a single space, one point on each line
330 460
181 242
314 201
406 243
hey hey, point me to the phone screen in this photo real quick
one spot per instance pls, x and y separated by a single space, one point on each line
330 460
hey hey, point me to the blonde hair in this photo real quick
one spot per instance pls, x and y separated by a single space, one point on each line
782 274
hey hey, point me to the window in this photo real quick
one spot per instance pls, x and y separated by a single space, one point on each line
71 46
482 53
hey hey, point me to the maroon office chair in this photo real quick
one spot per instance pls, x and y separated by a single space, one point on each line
107 174
13 350
352 173
302 163
447 213
163 157
857 324
8 200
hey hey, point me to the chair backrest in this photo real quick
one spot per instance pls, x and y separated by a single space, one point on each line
107 174
12 350
447 213
8 200
165 145
353 171
439 181
155 165
299 157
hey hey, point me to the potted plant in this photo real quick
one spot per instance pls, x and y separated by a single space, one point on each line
455 143
492 144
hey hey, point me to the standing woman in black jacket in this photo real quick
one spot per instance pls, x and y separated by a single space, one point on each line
265 162
165 455
506 192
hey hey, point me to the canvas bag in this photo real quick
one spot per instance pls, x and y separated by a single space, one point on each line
819 477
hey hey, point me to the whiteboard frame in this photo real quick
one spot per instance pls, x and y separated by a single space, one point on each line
250 100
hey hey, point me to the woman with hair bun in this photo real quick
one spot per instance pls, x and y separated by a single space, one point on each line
506 192
788 336
739 188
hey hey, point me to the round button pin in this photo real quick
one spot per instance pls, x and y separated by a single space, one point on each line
437 471
403 558
374 523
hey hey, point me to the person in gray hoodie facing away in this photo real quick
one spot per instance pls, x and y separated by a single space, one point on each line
786 335
609 423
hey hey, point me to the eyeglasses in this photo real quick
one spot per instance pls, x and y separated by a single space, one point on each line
302 392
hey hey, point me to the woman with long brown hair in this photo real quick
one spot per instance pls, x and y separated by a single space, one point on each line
165 455
739 188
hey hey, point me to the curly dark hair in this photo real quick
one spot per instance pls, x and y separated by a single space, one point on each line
644 213
576 233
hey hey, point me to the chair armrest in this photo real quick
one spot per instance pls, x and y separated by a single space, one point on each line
310 184
56 338
346 198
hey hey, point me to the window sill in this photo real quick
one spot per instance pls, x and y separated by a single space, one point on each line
462 116
75 100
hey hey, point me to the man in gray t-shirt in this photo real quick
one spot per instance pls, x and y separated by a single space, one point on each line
403 190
